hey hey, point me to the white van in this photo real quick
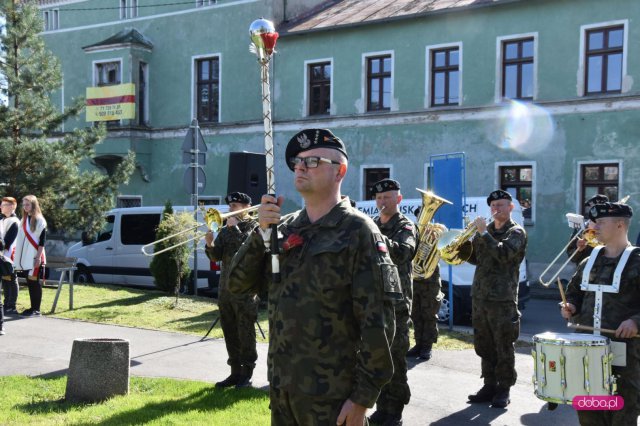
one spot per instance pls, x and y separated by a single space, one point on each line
462 274
115 255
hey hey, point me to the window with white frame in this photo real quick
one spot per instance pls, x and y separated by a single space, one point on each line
207 89
518 180
371 175
599 178
379 82
108 74
55 19
45 19
143 93
202 3
319 88
516 68
123 9
444 75
133 9
604 50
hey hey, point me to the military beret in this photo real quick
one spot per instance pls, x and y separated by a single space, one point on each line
237 197
610 210
498 194
596 199
384 185
311 139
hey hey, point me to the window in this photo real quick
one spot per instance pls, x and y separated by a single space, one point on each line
106 232
599 179
379 83
124 201
210 200
45 18
517 180
319 76
604 50
55 20
123 9
517 69
139 228
371 176
202 3
445 77
107 73
207 89
133 10
142 94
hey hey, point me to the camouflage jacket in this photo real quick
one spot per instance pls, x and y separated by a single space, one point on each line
616 307
327 316
225 246
497 256
401 239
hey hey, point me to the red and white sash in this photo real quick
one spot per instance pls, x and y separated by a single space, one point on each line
32 240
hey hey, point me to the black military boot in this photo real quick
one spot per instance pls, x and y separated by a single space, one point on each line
232 380
379 417
413 352
501 398
485 394
244 379
425 353
393 420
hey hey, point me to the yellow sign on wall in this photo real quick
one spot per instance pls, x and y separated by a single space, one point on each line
111 102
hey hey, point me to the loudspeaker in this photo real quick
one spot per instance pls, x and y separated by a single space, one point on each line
248 174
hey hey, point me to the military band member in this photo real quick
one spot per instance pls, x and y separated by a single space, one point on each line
498 249
238 313
329 348
619 308
401 239
580 244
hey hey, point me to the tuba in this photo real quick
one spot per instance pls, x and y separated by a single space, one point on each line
426 258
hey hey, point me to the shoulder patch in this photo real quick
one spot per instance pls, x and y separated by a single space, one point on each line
382 247
408 227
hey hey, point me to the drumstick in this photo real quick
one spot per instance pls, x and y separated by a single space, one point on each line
587 328
564 299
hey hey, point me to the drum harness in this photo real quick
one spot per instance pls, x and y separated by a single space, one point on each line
585 285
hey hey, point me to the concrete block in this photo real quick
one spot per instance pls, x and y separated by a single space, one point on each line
98 369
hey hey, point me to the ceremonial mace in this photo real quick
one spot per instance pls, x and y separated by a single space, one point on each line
263 41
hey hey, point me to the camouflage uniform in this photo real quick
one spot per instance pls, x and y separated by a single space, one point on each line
238 313
616 308
427 296
328 341
497 255
401 239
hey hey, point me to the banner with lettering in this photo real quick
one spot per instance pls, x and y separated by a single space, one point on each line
108 103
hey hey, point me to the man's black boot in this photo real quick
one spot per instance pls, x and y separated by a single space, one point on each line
485 394
379 417
244 379
414 351
425 353
501 398
232 380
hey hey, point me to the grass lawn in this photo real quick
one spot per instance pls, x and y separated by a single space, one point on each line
40 401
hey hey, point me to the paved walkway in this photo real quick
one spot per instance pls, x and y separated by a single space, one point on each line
42 346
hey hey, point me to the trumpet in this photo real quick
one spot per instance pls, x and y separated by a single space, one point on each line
213 221
452 247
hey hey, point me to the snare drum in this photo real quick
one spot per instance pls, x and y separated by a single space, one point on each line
571 364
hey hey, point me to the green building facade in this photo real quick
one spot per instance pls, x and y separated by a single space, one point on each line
539 95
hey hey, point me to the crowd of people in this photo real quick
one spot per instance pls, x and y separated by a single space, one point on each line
22 254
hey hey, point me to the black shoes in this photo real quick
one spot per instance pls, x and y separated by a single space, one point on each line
244 379
485 394
413 352
425 353
501 398
230 381
381 418
8 311
30 313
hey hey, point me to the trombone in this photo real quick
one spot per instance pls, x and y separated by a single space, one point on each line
213 221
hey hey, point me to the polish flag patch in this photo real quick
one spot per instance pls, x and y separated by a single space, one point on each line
382 247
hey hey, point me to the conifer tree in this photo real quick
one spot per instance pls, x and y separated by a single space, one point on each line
35 156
